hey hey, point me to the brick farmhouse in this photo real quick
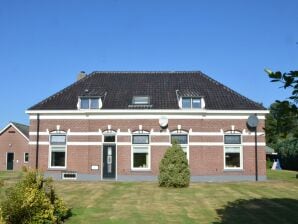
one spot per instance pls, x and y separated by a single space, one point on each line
118 125
14 146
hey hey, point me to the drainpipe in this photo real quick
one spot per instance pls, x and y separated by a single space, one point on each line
37 142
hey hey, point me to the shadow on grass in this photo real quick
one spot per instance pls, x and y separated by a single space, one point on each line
264 210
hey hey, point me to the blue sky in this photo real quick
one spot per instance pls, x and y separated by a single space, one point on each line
44 44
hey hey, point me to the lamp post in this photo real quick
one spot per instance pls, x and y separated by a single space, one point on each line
252 123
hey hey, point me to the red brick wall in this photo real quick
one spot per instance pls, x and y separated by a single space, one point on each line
19 145
204 160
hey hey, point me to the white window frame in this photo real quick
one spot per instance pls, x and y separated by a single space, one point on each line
240 146
89 100
133 146
185 147
57 146
191 99
25 157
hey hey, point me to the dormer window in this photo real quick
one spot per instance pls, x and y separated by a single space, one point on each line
191 103
140 100
90 103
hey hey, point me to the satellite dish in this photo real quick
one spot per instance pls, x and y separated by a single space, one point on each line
252 121
163 121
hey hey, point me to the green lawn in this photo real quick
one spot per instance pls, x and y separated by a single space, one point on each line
274 201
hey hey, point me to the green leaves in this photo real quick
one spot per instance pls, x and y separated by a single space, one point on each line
289 80
33 200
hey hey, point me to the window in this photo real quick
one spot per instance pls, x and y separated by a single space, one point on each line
90 103
140 100
26 157
233 155
58 139
140 152
57 157
140 139
182 140
109 138
232 139
191 103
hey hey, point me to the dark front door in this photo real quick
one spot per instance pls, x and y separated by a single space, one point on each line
109 161
10 158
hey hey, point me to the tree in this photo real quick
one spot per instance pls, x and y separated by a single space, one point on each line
281 122
281 125
173 168
288 80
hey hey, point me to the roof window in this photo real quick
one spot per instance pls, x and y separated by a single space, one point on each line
140 100
89 103
191 102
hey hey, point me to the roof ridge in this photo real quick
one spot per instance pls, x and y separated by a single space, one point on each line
18 123
229 89
144 72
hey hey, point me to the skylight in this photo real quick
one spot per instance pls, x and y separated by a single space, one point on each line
140 100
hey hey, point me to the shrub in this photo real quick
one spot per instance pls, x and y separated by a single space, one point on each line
269 163
33 200
24 169
173 168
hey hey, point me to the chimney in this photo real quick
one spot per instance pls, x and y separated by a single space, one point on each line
81 75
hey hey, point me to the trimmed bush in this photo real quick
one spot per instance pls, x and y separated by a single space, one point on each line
33 200
173 168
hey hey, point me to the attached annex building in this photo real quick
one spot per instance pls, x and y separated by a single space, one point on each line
118 125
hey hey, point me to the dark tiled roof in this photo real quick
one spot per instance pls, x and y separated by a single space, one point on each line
118 89
22 128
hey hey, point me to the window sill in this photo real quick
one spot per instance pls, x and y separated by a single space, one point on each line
56 168
233 170
140 169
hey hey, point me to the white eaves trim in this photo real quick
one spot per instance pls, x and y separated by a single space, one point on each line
158 111
11 124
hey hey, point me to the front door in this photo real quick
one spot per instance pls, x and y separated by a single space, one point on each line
109 161
9 162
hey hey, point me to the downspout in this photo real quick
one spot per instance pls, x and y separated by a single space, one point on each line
37 142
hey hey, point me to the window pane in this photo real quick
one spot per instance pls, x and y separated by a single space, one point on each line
140 139
109 138
140 100
140 160
196 103
232 159
84 103
58 139
58 158
26 159
94 103
232 139
186 102
181 139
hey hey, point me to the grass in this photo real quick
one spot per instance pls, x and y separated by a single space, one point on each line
274 201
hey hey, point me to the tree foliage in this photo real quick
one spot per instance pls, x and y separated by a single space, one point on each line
33 200
173 168
282 122
288 80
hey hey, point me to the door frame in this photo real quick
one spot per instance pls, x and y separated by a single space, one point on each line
105 144
12 160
